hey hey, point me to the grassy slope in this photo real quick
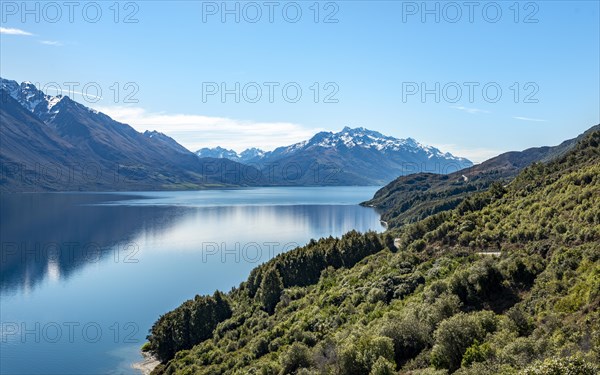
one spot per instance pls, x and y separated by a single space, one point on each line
436 304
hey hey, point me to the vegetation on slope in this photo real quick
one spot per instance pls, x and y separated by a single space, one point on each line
411 198
438 303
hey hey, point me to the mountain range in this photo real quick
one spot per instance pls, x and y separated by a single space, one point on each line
54 143
218 152
356 156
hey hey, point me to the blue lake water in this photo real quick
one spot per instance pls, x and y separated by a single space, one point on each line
84 275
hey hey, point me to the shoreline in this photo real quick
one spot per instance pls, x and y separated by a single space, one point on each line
147 365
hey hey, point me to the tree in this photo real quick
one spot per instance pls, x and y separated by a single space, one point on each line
189 324
270 289
456 334
297 357
410 335
359 357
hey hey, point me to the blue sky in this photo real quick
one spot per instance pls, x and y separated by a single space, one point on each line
368 62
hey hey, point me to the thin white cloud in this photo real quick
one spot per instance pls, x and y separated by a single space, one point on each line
196 131
11 31
471 111
529 119
52 43
71 93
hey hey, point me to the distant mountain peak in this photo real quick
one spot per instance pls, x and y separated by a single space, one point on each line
357 130
368 155
364 138
217 153
251 153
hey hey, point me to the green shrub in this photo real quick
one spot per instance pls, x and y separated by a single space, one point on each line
296 357
409 335
261 347
476 353
562 366
456 334
146 347
382 367
358 357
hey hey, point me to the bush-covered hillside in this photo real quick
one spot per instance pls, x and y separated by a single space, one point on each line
411 198
506 282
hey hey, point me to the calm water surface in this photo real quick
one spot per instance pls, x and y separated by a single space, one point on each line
84 275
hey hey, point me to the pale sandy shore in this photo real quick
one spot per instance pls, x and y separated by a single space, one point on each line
147 365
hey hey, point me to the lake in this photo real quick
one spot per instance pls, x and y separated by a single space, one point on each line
84 275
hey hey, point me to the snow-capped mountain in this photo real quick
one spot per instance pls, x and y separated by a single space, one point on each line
361 138
356 156
246 156
251 154
46 107
39 130
218 153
